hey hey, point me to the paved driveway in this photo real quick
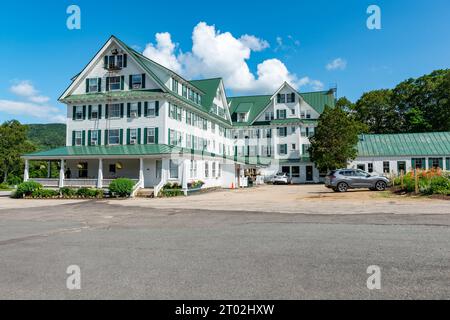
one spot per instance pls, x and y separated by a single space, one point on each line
143 249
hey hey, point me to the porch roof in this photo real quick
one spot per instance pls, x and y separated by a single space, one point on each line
117 150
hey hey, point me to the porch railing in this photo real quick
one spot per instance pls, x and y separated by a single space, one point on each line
47 182
80 182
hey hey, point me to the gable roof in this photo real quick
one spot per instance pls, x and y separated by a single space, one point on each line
209 87
254 105
405 144
319 99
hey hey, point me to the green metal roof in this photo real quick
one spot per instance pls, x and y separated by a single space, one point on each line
408 144
318 100
114 95
209 87
256 105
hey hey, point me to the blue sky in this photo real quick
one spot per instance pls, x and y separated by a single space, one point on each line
39 54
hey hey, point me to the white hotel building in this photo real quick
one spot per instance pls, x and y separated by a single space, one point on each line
128 116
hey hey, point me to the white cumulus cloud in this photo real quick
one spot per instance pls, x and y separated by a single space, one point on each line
221 54
337 64
35 107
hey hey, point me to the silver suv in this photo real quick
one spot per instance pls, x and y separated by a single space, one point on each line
344 179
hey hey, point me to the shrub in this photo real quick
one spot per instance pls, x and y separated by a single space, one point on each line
44 193
25 189
13 180
171 190
121 187
440 185
67 192
89 193
4 186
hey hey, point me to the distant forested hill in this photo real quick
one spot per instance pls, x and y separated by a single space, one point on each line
47 136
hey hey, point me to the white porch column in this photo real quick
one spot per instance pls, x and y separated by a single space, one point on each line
100 174
141 172
26 175
184 176
61 174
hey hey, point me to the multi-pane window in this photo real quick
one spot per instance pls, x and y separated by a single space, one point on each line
269 115
78 138
94 137
206 169
295 172
173 169
281 114
94 112
78 113
151 110
282 149
176 138
308 114
151 137
184 91
282 132
193 169
174 85
242 117
213 170
219 170
114 110
114 83
386 167
93 85
115 61
133 136
134 109
136 81
281 98
294 147
370 167
114 136
435 163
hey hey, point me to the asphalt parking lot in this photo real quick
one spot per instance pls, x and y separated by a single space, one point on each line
307 244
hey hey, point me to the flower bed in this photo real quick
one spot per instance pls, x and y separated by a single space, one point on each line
429 182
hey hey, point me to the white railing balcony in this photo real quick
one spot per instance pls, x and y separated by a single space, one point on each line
47 182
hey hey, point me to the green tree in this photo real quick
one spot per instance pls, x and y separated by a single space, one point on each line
13 144
335 139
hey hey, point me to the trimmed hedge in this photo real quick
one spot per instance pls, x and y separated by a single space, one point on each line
25 189
121 187
44 193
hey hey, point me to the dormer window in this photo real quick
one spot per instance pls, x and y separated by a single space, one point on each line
242 117
286 98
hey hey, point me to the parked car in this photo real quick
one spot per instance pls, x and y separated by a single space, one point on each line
281 178
343 179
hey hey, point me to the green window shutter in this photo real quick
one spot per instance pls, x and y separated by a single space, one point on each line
107 84
143 81
106 110
156 135
128 136
447 164
106 138
293 97
424 165
89 138
122 80
73 138
99 137
99 111
125 60
99 84
89 112
145 109
413 163
84 112
130 81
105 62
139 109
145 135
74 110
441 163
430 163
139 136
87 85
83 138
121 136
157 108
278 98
128 109
121 110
